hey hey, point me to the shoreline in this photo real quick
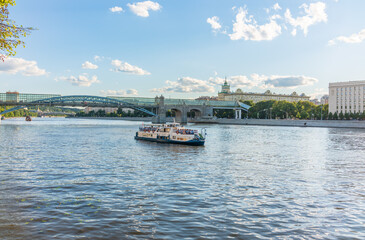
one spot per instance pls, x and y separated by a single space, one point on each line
354 124
286 123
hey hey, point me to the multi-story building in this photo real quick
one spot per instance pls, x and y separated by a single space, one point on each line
24 97
207 98
346 97
227 95
106 109
315 101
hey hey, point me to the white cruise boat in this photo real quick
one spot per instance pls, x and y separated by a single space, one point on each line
171 133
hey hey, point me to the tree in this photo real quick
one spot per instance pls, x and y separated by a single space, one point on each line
304 114
341 116
10 33
347 116
335 116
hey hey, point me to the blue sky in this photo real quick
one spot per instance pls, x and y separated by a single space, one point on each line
186 48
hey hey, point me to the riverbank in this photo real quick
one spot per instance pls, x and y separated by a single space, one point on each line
286 123
137 119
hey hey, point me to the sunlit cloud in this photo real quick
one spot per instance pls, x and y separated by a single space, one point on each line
354 38
89 65
82 80
315 13
142 8
19 65
128 68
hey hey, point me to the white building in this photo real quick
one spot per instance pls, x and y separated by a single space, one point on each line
226 95
346 97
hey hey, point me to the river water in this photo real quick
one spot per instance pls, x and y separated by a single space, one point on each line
89 179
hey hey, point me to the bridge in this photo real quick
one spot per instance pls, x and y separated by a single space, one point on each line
155 107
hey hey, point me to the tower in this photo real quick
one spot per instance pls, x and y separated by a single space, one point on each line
226 89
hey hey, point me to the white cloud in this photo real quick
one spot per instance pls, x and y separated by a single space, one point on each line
318 93
315 13
82 80
89 65
239 81
294 32
263 81
214 22
20 65
245 27
129 92
98 58
288 81
186 85
128 68
191 85
141 8
354 38
116 9
276 6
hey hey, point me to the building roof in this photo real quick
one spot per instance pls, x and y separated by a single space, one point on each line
348 83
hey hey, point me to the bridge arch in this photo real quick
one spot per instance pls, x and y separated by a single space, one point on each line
82 100
195 113
179 114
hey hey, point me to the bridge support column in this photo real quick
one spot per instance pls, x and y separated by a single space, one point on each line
238 114
207 112
184 115
161 110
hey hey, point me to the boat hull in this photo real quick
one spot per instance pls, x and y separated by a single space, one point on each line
190 143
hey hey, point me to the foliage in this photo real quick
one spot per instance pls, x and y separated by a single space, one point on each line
341 116
335 116
10 33
17 113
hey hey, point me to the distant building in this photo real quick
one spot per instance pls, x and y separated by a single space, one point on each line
12 97
315 101
346 97
324 99
24 97
95 109
207 98
226 95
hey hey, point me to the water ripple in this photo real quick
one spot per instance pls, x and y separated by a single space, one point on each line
82 179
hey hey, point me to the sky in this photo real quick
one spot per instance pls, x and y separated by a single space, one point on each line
185 49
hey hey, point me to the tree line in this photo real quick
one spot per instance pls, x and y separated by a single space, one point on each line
17 113
289 110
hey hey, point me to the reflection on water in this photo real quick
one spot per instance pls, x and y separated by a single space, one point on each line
69 179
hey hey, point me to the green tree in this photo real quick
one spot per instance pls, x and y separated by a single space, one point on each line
335 116
298 115
284 109
341 116
347 116
304 114
10 33
362 116
330 116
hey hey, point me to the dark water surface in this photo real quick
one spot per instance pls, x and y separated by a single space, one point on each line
89 179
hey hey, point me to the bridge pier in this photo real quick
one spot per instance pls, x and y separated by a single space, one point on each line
238 114
161 111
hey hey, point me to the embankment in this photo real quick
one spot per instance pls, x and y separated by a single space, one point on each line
286 123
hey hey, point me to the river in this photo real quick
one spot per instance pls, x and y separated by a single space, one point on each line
89 179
